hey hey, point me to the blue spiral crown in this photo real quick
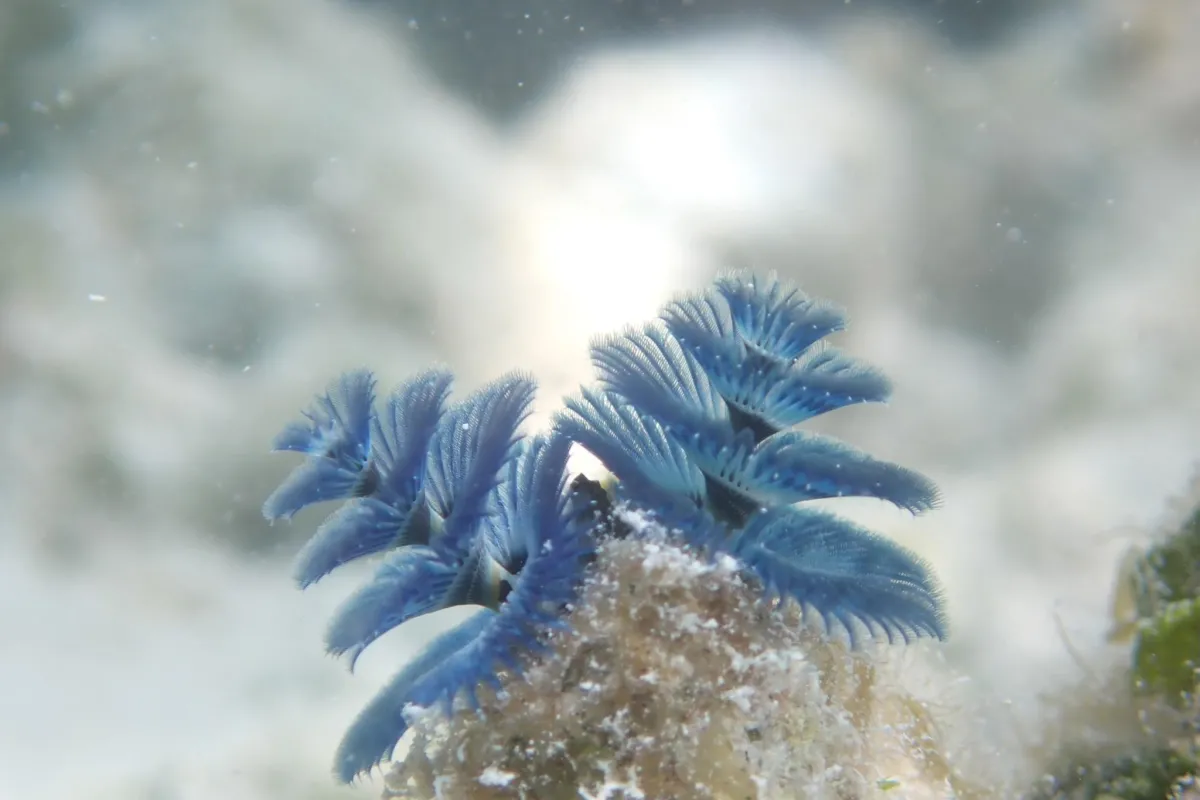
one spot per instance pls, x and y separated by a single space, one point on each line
694 414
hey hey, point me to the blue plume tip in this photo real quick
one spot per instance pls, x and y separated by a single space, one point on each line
777 320
410 582
388 508
422 682
474 442
849 576
335 434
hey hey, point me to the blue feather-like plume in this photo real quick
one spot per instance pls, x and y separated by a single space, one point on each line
652 465
774 319
544 522
391 511
336 437
474 442
845 573
379 727
467 511
767 391
694 415
726 378
792 466
410 582
656 375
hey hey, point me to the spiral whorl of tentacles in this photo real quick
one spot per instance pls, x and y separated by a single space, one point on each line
693 415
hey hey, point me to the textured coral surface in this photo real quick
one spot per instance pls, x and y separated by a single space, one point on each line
677 681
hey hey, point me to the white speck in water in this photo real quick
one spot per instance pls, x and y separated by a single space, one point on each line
96 298
466 426
246 368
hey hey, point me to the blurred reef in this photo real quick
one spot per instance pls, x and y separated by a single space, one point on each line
208 208
1135 730
507 57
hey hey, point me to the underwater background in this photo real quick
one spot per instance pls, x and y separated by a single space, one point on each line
209 209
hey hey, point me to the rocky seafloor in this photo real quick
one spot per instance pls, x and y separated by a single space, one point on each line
209 209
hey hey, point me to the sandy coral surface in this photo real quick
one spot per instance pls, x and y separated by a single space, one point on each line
676 681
